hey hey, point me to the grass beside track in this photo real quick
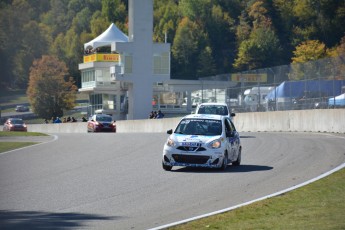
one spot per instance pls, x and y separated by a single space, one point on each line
7 146
316 206
21 134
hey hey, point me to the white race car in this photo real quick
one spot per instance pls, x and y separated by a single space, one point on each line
214 108
202 140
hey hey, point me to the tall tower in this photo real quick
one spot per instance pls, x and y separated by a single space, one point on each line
137 59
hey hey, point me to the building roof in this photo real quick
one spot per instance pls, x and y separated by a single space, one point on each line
112 34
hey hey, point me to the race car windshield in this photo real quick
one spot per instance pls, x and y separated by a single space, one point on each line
103 118
206 127
17 122
213 109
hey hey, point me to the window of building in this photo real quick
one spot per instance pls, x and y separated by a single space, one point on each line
128 63
88 78
95 103
161 63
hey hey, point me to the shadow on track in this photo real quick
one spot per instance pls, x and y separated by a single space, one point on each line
229 169
249 168
11 220
247 136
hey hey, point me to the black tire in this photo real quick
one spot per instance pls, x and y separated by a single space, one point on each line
166 167
225 162
238 161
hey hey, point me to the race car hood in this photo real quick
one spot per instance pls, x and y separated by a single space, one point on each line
193 138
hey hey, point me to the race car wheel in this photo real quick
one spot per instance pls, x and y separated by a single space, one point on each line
166 167
238 161
225 162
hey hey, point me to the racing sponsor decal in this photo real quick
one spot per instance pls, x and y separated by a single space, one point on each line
192 138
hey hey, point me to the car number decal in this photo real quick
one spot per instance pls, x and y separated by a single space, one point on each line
191 144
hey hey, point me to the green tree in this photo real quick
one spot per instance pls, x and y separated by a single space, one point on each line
165 20
197 11
115 11
32 46
284 22
12 18
234 30
340 49
81 22
217 27
98 24
220 30
206 64
185 48
319 20
339 59
243 28
50 89
262 48
58 17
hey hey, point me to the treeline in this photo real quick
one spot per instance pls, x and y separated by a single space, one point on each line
207 37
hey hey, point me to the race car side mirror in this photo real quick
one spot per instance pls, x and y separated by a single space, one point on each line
230 134
169 131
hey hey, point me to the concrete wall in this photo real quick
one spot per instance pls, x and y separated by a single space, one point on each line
326 120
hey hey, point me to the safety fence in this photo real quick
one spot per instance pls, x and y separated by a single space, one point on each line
312 85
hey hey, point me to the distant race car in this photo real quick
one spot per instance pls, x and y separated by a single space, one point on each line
214 108
101 123
15 124
202 140
22 108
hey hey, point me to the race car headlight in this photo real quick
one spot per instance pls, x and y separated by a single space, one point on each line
215 144
170 142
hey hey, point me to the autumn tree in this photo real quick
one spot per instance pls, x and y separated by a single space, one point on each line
309 51
337 61
302 65
50 89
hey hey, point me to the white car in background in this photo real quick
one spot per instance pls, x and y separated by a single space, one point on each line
202 140
214 108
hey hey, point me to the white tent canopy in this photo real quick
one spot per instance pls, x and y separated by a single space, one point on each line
112 34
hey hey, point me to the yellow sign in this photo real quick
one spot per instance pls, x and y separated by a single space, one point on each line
102 58
249 77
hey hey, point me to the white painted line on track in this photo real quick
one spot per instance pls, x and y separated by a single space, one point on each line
55 138
252 201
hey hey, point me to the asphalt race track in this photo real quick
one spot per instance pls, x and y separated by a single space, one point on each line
115 181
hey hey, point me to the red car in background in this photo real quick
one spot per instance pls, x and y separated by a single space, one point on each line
15 124
101 123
